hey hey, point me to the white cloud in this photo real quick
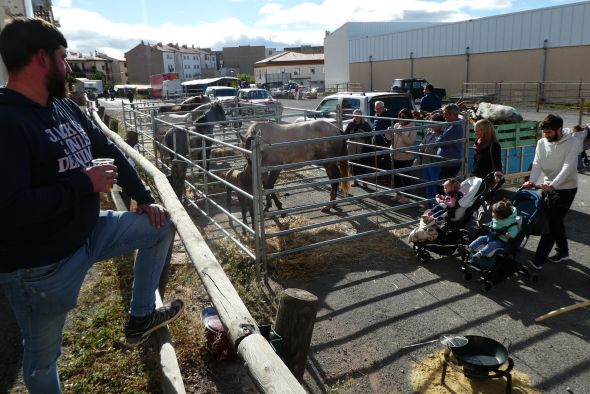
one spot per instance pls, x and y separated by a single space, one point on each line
63 3
304 23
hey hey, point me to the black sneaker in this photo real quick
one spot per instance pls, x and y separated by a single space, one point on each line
559 256
138 329
535 265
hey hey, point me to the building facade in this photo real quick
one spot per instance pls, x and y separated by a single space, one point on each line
189 62
12 8
305 69
548 44
242 58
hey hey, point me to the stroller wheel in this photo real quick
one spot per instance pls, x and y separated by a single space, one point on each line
486 285
424 257
587 162
467 276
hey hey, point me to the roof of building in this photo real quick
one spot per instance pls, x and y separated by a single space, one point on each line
206 81
79 57
294 57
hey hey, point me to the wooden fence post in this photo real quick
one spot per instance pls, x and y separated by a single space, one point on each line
101 110
294 323
114 125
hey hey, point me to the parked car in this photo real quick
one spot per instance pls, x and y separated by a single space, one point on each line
286 91
224 94
256 101
365 101
310 93
415 87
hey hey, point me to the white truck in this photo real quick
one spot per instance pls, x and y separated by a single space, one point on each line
171 88
85 85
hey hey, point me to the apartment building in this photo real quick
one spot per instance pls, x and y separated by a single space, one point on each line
189 62
13 8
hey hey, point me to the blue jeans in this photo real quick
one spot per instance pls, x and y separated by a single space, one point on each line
431 174
41 297
491 244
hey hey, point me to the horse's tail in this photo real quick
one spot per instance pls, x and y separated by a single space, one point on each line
344 168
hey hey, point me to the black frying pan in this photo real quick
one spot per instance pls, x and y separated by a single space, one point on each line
481 353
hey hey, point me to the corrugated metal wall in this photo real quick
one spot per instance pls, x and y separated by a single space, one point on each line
561 26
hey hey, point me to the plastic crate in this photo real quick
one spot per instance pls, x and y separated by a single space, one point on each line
513 134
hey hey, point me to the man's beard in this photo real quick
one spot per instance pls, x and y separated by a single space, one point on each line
56 84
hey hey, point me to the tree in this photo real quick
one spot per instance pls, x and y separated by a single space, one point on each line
246 77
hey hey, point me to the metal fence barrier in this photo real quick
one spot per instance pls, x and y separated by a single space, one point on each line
205 186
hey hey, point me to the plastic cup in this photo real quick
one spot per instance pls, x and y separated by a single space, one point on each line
103 162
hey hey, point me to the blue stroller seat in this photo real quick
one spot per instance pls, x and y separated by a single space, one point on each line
496 268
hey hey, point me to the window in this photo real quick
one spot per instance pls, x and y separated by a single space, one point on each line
297 71
349 105
312 70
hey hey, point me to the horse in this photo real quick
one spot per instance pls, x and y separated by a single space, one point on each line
272 133
215 113
186 105
242 179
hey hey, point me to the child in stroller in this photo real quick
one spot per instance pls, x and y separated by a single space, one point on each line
446 203
503 227
526 206
450 231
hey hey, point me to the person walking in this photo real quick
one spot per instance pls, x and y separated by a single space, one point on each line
556 158
50 198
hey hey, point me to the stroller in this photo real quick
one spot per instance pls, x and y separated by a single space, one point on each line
451 231
496 268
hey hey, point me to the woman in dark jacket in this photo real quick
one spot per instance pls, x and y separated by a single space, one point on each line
487 150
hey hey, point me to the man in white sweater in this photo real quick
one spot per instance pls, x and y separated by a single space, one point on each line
556 158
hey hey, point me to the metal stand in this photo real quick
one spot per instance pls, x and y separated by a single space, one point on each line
478 373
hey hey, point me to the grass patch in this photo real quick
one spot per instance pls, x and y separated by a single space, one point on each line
96 357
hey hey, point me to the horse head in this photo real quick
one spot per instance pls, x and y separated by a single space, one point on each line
216 113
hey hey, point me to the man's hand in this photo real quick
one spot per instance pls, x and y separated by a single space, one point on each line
102 177
157 214
547 188
508 235
528 185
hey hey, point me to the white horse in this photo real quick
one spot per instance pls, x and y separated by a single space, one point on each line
272 133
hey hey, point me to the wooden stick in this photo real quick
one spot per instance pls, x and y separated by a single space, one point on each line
563 310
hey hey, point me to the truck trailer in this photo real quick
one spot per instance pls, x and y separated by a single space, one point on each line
165 85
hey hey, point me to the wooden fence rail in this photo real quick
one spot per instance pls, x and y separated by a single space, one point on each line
265 367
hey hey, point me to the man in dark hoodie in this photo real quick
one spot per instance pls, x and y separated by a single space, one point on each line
53 227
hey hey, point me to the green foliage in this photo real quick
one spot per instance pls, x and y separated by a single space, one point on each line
246 77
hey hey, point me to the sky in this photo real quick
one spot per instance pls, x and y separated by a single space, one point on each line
116 26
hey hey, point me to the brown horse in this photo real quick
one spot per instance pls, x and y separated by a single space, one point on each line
188 104
272 133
